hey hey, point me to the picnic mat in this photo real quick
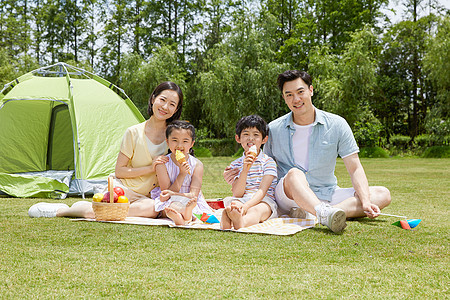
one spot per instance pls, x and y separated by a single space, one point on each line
276 226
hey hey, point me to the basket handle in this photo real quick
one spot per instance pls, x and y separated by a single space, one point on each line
111 189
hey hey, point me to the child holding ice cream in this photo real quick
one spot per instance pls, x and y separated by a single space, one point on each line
253 188
180 179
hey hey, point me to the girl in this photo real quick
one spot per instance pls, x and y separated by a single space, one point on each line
142 149
180 180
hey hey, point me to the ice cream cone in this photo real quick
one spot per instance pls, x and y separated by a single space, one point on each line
252 152
181 158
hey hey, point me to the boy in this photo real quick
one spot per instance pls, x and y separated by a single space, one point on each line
253 188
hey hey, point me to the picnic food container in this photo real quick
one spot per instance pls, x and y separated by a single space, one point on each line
216 204
110 211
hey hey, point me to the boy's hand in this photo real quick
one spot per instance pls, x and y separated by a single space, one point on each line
229 174
249 159
165 195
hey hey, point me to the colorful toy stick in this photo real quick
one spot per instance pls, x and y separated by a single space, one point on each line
389 215
207 218
405 224
412 223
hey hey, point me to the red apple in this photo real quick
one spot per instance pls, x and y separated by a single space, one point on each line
119 191
106 197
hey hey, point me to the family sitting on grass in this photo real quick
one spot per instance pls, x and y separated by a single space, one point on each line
293 174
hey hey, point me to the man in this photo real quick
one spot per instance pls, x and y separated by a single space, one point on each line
305 144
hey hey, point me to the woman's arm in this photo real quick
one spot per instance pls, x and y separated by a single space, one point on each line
124 171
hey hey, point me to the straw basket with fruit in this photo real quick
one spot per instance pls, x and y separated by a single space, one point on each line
111 206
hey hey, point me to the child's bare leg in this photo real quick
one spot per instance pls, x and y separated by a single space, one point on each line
188 210
257 214
236 218
235 214
225 222
175 216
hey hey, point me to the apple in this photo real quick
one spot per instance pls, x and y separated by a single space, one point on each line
97 197
119 191
106 197
122 199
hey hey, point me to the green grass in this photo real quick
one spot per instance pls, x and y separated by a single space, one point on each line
60 258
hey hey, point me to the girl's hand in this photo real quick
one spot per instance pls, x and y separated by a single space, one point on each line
165 195
184 168
158 161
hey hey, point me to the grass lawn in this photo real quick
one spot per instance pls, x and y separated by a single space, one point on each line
59 258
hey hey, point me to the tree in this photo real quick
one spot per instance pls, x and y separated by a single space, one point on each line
139 77
14 26
115 38
401 74
346 84
240 77
437 67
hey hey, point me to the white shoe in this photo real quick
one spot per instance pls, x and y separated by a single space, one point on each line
332 217
297 212
45 210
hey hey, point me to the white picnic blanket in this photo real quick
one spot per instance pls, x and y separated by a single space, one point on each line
276 226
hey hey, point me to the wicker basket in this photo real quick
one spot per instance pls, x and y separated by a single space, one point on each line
111 211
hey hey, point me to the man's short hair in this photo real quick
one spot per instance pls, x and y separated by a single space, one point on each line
292 75
250 122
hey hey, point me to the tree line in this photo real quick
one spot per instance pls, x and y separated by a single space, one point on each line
385 78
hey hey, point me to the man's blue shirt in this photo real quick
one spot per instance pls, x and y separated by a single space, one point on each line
330 136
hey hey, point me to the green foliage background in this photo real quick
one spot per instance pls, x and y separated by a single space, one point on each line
385 78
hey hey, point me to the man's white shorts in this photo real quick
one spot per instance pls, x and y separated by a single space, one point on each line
285 203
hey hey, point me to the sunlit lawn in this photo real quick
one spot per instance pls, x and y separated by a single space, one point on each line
60 258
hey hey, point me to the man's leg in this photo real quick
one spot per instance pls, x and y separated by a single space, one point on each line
379 195
296 187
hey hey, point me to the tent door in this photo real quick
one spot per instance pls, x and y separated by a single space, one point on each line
60 154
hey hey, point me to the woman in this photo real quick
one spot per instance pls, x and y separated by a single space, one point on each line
143 148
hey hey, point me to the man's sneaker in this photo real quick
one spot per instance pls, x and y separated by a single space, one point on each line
297 212
332 217
45 210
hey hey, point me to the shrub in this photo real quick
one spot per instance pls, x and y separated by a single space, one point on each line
373 152
202 152
422 141
219 147
399 142
238 153
437 152
367 134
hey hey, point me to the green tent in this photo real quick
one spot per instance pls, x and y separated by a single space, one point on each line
60 132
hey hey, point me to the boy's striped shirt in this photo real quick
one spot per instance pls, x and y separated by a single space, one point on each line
263 165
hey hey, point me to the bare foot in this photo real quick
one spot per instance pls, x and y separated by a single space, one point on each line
225 222
188 211
175 216
236 218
